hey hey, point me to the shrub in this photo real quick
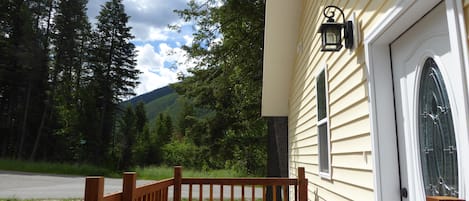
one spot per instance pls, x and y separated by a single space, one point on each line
181 152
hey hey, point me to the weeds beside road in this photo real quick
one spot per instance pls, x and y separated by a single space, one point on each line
148 173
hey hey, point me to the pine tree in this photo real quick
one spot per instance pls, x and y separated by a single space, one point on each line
113 67
141 116
227 79
127 133
23 73
71 71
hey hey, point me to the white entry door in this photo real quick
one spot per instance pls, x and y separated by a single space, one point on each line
425 91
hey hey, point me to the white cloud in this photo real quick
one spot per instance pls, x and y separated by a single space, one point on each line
159 57
148 18
152 65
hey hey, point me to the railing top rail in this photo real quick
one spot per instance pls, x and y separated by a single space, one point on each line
113 197
241 181
155 186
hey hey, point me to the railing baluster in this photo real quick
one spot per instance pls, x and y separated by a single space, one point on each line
285 193
296 192
274 190
232 192
190 192
242 192
201 189
253 195
221 192
263 193
211 192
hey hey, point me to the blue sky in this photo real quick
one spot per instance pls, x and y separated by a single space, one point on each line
159 48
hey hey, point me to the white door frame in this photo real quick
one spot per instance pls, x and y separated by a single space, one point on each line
381 98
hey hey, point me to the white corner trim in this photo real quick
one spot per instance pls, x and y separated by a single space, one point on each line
381 98
458 43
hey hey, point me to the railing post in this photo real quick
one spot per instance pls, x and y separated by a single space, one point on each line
128 186
94 189
302 185
177 183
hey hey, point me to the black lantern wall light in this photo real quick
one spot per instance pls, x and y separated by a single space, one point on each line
331 31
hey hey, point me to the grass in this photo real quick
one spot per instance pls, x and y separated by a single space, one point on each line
150 172
55 168
158 173
16 199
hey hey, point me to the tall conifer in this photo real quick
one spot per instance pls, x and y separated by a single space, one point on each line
113 66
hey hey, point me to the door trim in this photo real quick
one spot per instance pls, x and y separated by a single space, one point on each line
381 105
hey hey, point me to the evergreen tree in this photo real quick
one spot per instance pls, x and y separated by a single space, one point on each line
227 79
113 68
23 74
127 132
71 72
141 116
142 146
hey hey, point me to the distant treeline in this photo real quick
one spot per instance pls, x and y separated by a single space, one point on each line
61 82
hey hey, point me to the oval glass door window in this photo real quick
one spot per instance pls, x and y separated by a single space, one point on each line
438 151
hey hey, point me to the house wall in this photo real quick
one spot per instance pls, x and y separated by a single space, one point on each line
466 16
351 167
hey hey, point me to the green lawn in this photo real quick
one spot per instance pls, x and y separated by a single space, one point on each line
150 173
14 199
55 168
157 173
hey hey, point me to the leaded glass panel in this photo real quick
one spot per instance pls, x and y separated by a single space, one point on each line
436 134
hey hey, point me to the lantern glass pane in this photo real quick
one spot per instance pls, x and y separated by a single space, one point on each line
331 37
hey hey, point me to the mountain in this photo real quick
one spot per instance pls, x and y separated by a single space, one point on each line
157 101
150 96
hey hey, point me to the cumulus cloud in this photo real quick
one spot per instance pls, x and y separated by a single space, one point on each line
159 57
148 18
159 68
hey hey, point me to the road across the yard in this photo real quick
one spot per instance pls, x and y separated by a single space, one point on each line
31 185
41 186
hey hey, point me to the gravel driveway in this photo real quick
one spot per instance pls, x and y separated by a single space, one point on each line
43 186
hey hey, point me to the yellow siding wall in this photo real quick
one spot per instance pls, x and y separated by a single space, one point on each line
352 176
466 16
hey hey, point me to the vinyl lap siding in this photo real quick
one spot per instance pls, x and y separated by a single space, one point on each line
351 169
466 16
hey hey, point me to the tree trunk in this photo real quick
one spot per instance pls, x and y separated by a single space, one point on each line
39 132
47 106
25 121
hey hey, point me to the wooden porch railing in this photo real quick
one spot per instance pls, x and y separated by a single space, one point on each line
274 189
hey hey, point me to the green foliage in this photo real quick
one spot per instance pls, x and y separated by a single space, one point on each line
61 80
182 153
142 150
127 134
165 104
227 80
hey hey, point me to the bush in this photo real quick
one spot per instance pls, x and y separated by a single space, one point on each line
182 152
